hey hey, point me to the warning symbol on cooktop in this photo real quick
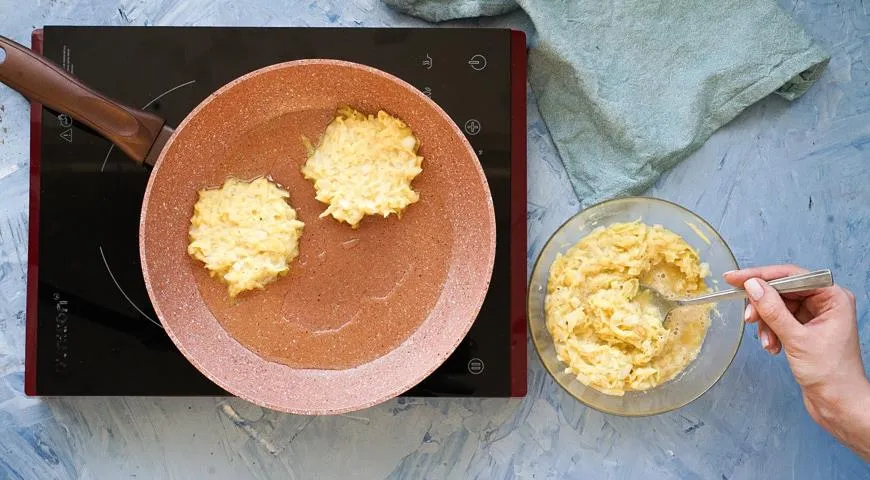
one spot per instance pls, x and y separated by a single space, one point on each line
66 135
475 366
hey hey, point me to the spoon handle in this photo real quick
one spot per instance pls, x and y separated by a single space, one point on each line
794 283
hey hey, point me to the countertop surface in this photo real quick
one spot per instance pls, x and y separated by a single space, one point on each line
782 182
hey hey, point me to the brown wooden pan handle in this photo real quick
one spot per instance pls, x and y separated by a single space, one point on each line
38 79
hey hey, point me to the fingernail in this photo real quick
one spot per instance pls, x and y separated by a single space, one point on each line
747 314
754 289
729 272
765 340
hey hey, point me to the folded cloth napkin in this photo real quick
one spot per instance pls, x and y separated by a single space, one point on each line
629 88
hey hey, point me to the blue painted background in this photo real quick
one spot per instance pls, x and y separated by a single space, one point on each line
782 182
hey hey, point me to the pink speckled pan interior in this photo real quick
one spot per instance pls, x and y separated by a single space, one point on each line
411 286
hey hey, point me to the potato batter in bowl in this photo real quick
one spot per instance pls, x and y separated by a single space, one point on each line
609 336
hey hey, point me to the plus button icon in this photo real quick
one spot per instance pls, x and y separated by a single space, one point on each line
472 127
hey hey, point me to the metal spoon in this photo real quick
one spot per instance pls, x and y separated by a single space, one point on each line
794 283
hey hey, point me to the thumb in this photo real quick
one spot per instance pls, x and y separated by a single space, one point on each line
770 307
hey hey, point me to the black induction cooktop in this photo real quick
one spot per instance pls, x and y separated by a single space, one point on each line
90 327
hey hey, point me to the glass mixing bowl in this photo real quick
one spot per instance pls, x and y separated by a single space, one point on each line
726 323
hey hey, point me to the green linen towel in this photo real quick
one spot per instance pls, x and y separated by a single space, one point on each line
629 88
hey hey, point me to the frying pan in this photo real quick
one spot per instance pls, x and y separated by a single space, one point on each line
364 314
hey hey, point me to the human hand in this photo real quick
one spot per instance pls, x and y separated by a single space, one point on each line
818 330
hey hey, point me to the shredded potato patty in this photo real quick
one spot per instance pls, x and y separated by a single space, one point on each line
364 165
245 232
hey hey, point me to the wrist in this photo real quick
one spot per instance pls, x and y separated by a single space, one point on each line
843 400
844 412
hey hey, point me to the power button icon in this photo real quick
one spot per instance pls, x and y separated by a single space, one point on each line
477 62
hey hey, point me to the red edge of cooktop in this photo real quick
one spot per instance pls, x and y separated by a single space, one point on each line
519 359
519 375
33 235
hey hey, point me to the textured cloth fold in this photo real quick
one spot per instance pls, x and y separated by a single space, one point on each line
629 88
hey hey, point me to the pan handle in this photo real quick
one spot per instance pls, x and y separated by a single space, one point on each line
40 80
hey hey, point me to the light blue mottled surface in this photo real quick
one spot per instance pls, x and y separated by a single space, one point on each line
782 182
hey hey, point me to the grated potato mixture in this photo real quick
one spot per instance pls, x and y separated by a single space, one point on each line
611 338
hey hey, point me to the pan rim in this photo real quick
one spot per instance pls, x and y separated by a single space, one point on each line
438 357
